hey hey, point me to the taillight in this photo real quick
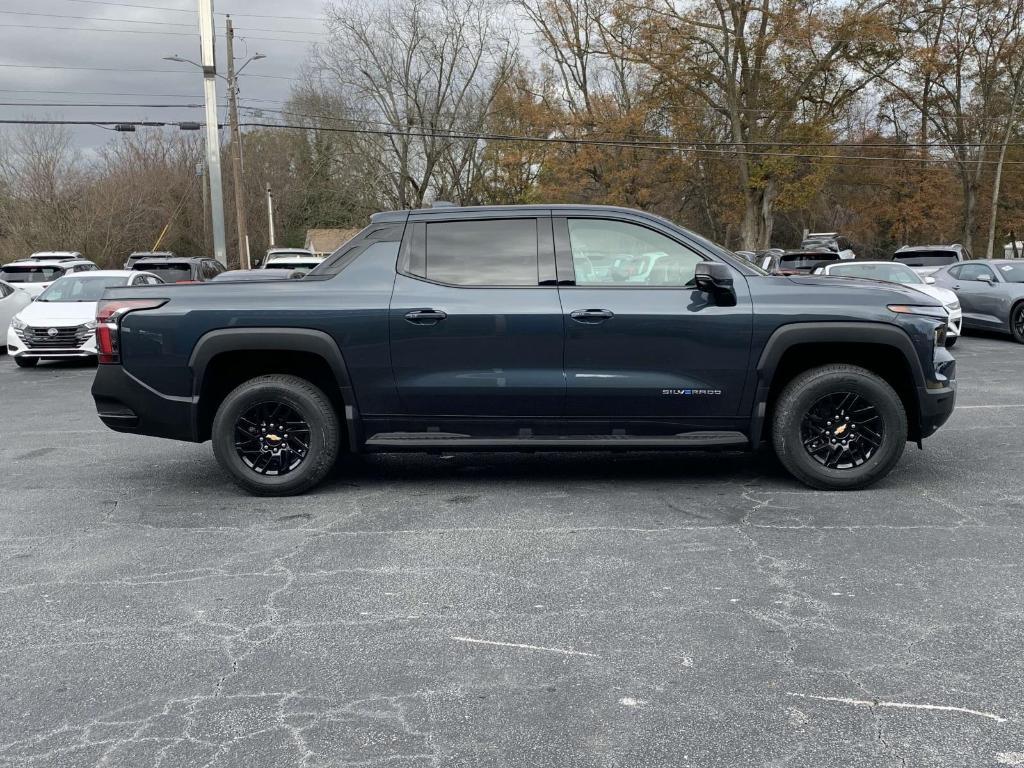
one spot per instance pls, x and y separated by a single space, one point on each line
108 324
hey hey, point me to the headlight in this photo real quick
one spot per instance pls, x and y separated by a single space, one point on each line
89 326
939 313
18 324
953 306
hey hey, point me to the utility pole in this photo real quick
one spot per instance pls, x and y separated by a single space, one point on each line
244 261
200 171
270 215
209 65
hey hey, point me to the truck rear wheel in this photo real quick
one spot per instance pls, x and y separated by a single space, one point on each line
839 427
276 435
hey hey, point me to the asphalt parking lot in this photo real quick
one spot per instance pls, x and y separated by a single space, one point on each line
506 610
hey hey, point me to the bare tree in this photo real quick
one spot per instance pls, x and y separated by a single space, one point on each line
420 72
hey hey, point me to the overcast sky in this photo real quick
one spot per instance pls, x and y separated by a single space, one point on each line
114 38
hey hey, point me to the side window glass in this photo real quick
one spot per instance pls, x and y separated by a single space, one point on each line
622 254
495 252
4 291
975 272
954 272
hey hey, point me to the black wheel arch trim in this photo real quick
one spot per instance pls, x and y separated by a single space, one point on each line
309 340
788 336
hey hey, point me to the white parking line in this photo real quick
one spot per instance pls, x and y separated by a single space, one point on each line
1005 405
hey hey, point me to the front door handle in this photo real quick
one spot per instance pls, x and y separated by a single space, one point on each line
425 316
591 315
956 287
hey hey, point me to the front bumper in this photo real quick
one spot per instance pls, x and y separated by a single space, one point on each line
937 399
955 325
126 404
18 347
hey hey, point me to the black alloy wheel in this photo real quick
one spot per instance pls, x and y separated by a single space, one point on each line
272 438
276 435
838 427
1017 322
842 430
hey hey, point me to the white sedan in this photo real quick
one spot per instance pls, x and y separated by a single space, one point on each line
894 272
61 323
12 301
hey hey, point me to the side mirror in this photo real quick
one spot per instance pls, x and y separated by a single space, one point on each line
986 279
929 280
715 279
298 274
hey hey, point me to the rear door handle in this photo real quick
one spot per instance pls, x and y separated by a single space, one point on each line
425 316
591 315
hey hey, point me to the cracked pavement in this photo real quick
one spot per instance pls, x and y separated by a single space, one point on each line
505 610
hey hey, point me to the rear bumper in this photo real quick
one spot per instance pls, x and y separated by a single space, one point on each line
126 404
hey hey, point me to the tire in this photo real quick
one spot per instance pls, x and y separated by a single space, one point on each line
26 362
1017 322
292 395
799 409
951 342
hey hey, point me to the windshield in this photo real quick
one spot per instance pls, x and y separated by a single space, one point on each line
926 258
1012 273
891 273
169 273
44 273
73 288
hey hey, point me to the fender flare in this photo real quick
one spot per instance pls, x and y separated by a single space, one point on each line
786 337
287 339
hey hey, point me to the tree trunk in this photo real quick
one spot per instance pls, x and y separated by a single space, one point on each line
997 181
758 216
970 204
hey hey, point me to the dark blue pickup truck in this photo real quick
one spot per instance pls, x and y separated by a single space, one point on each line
527 328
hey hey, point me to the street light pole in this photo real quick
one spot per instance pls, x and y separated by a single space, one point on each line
209 64
244 260
270 214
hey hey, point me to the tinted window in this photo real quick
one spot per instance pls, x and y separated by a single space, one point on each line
5 291
493 252
44 273
618 253
926 258
170 273
975 272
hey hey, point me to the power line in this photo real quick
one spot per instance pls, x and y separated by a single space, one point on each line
140 21
190 11
130 69
110 30
691 147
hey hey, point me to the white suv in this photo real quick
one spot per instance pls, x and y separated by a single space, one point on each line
61 323
34 275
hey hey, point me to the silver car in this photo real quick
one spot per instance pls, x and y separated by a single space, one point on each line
991 293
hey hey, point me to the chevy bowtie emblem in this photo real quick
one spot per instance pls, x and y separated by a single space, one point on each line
52 332
274 438
840 430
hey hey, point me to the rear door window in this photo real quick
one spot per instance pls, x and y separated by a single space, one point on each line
492 252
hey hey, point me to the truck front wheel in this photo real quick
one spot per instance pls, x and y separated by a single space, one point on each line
276 435
839 427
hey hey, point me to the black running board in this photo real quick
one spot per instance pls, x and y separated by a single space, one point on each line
451 441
